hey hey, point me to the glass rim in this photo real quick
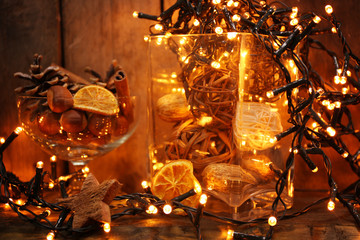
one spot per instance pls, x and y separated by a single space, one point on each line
45 97
201 34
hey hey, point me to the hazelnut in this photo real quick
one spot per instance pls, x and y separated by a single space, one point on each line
59 99
100 125
48 123
173 107
121 126
73 121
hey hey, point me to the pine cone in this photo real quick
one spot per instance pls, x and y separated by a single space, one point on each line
41 81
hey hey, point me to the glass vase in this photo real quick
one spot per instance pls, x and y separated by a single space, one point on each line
208 104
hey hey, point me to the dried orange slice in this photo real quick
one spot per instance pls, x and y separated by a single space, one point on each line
96 99
174 179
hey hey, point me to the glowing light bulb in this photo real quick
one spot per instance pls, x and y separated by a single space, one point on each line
295 10
333 30
343 80
167 209
344 90
231 35
135 14
236 4
158 27
167 35
174 75
296 151
215 64
106 227
53 158
152 209
230 234
270 94
18 130
345 154
325 102
2 140
197 188
144 184
85 169
246 15
273 140
196 22
329 9
331 131
272 221
317 19
203 199
331 205
216 2
51 185
338 104
146 38
39 164
348 73
236 18
50 236
182 41
294 22
331 106
336 79
293 15
315 170
230 3
219 30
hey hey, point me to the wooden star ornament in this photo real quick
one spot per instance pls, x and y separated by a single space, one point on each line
92 203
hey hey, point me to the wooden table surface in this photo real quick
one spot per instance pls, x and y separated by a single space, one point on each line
317 224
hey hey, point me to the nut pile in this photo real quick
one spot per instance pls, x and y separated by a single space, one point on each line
91 114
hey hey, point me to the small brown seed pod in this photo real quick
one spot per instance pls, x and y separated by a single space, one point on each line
100 125
73 121
59 99
48 123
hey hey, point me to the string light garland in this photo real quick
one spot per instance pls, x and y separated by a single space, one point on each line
136 203
280 29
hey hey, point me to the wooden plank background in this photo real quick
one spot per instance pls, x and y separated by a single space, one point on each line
94 33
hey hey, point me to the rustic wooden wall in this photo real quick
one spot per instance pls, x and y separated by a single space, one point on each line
95 32
26 27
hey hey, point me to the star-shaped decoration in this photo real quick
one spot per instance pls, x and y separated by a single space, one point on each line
92 203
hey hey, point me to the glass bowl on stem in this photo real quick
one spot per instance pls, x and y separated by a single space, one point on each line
100 134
